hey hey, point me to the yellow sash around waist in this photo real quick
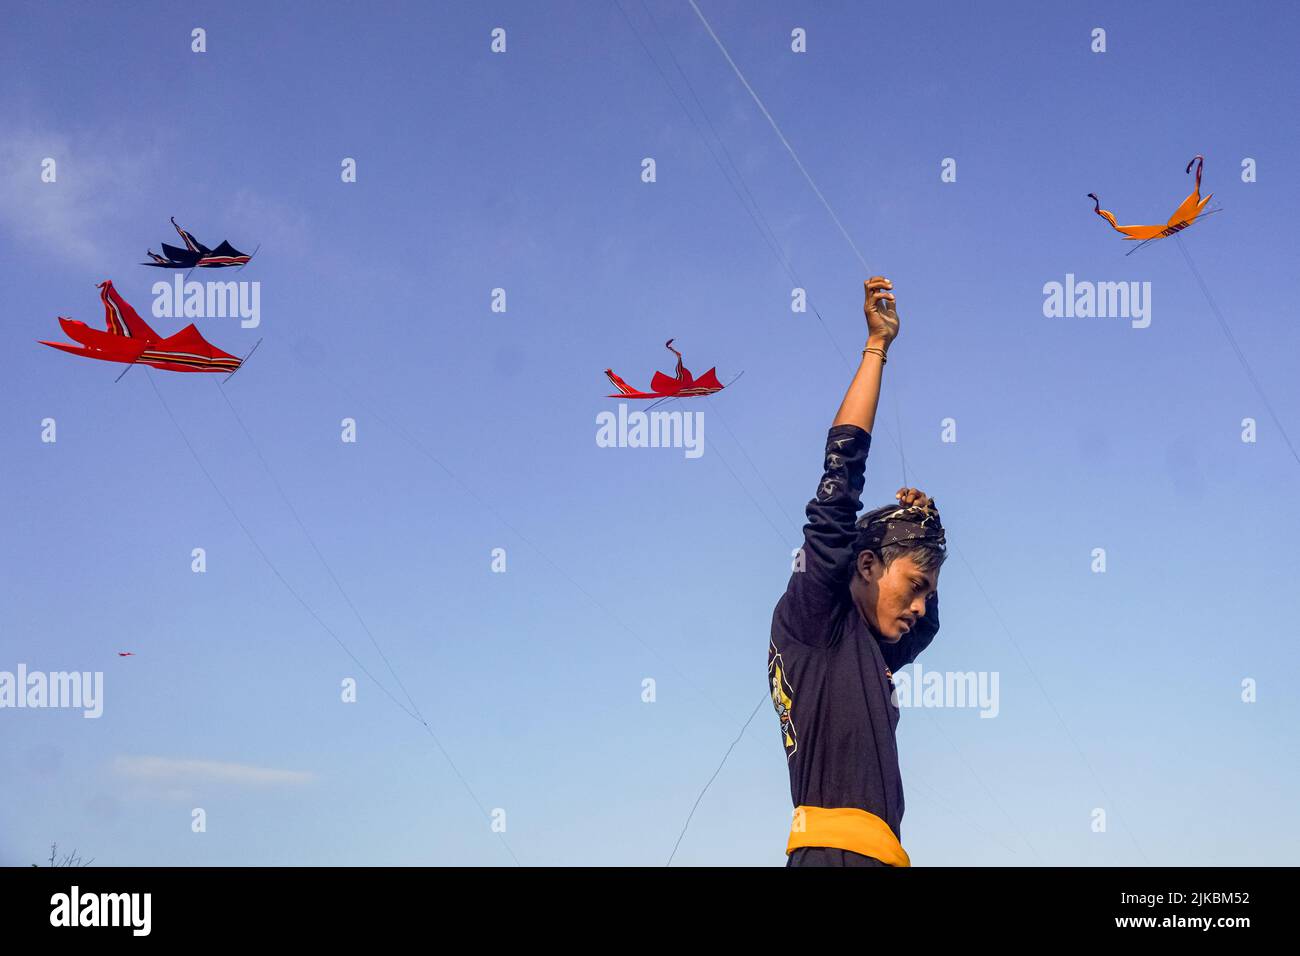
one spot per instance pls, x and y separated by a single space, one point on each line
846 828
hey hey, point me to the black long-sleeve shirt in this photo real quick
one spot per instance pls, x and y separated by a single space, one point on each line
829 675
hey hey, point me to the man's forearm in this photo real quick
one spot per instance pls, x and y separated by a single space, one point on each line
863 396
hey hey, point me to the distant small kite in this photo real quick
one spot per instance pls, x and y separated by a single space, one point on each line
682 385
1184 216
129 339
126 653
196 254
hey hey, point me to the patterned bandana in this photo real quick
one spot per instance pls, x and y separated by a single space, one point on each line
892 524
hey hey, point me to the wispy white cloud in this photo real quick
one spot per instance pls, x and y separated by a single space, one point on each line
96 171
174 775
103 176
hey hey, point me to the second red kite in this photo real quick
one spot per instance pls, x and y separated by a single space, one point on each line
682 385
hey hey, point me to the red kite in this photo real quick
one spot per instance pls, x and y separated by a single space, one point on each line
1183 216
683 385
129 339
126 653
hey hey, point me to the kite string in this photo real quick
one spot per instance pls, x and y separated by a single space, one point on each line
856 252
898 418
780 135
861 260
355 610
266 559
730 169
696 805
401 431
757 471
308 608
743 487
924 785
750 205
942 733
748 494
1232 341
312 541
488 508
766 231
769 236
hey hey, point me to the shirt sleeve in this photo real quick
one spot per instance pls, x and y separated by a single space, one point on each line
904 651
818 594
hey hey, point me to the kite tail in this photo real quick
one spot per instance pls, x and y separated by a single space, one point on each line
120 319
1199 160
619 384
669 346
1108 216
191 243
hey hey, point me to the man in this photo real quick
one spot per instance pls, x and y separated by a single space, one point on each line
862 602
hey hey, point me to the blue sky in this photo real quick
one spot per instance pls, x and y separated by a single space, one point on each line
476 430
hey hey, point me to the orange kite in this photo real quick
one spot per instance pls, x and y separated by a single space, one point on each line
1183 216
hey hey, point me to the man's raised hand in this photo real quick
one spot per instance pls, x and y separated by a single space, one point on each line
880 309
863 397
908 497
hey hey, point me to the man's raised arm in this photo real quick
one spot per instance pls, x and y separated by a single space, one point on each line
860 401
814 592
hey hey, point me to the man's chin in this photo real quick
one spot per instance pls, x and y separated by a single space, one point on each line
880 635
898 632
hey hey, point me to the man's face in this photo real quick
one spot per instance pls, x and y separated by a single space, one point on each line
892 599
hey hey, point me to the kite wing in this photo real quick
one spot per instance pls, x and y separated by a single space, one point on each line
179 255
224 255
126 335
624 389
119 350
188 351
708 382
661 384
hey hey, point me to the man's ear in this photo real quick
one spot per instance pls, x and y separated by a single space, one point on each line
867 565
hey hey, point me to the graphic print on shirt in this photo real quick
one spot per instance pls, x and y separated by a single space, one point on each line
782 699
